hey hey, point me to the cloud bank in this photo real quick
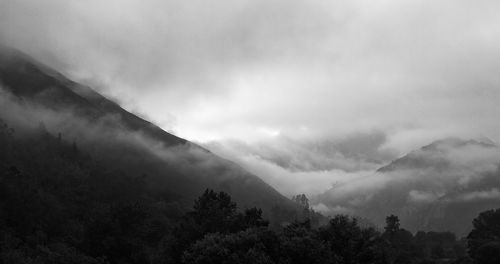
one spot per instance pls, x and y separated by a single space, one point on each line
417 71
295 165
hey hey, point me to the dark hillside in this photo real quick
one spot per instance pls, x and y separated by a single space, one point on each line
119 140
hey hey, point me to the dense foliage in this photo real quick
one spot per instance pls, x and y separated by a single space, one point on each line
58 205
484 239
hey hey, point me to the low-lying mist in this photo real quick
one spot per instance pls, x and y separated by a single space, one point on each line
184 170
294 165
435 181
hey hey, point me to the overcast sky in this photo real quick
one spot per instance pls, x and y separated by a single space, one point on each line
414 71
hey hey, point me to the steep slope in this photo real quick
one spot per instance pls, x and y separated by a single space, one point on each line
441 187
29 79
118 139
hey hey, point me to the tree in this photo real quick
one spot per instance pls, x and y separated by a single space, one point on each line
302 200
488 253
213 213
399 241
5 139
252 217
300 245
483 240
245 247
350 242
5 130
392 224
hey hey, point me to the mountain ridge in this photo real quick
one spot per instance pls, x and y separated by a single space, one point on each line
451 142
132 143
19 64
440 187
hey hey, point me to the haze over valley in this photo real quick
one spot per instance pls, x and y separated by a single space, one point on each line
299 112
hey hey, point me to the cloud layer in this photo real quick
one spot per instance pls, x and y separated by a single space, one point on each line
295 165
414 70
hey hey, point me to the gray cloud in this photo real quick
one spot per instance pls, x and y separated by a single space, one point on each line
494 193
352 153
414 70
301 165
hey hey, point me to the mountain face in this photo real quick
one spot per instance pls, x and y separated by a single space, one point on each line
441 187
33 96
27 79
434 156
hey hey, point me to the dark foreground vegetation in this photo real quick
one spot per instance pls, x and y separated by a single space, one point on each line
57 205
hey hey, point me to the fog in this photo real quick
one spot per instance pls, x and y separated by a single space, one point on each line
239 75
106 138
445 172
295 165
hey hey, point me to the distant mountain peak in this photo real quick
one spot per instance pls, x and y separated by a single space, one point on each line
432 155
454 142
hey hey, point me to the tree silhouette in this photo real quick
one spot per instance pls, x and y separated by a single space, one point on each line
484 239
245 247
213 213
302 200
300 245
349 242
392 224
399 241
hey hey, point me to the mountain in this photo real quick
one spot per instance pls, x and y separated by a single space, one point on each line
28 79
434 155
34 96
440 187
